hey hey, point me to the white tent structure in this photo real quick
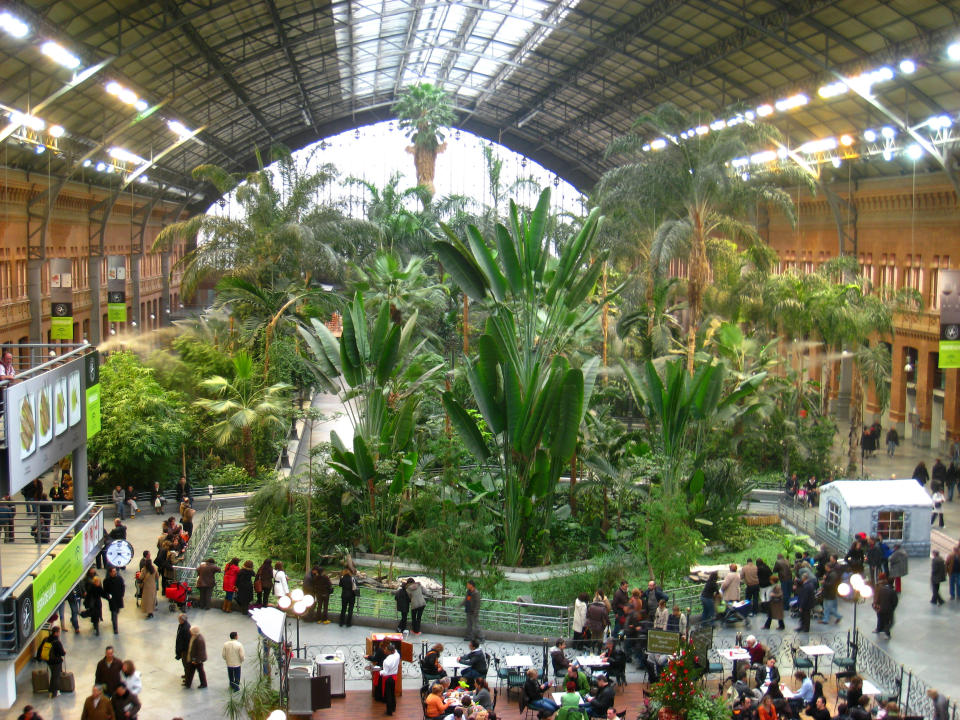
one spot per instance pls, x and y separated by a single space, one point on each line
899 510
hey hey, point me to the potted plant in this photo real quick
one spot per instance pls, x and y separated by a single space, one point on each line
676 696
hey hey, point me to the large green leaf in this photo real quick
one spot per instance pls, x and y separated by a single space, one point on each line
486 397
366 467
380 329
403 425
465 427
389 355
464 273
567 414
484 259
359 316
348 341
578 293
507 253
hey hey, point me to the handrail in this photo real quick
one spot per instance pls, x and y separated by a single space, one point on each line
80 520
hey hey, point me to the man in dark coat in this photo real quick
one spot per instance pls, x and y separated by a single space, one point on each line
806 596
108 672
403 606
114 588
196 656
938 573
182 642
885 603
54 659
620 599
126 705
938 476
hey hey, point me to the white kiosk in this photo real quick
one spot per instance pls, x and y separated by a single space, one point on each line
899 510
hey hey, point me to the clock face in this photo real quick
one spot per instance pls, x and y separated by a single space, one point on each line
951 332
119 553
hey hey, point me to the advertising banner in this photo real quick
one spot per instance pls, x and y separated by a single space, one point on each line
92 395
61 299
43 421
26 625
92 538
117 288
663 642
57 579
949 285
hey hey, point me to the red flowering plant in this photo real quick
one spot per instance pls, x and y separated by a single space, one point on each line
677 689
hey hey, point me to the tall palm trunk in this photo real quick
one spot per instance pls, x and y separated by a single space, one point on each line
249 459
697 278
856 417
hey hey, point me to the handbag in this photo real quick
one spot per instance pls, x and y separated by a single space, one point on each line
258 585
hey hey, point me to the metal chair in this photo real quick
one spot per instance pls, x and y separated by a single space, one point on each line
800 663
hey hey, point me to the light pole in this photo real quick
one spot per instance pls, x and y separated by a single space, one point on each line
297 603
856 590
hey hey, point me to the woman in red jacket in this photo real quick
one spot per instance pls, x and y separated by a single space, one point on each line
230 583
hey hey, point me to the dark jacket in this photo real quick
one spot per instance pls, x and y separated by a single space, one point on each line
603 701
775 679
830 583
347 591
783 570
126 707
402 599
875 555
197 650
764 574
183 639
532 691
597 619
938 570
806 594
476 659
245 586
114 588
93 602
108 674
323 584
886 599
471 602
899 563
620 600
206 574
559 661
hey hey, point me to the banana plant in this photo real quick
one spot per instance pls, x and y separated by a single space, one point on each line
380 373
529 393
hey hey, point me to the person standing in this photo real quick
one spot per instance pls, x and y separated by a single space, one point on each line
73 602
119 502
156 498
775 603
54 658
885 601
206 579
938 501
831 582
130 676
751 579
348 597
108 671
806 597
471 606
893 439
148 594
898 566
783 571
953 475
938 573
280 584
7 513
114 588
29 713
245 586
230 584
620 599
941 704
708 598
126 704
93 602
196 657
233 657
388 678
324 588
182 491
97 707
403 606
186 516
263 582
417 603
938 475
921 474
182 642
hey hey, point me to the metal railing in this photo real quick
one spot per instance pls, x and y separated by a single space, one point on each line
145 499
806 520
203 533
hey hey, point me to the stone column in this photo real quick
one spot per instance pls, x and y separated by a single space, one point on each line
898 388
35 300
951 407
96 318
925 360
135 286
164 316
842 406
80 479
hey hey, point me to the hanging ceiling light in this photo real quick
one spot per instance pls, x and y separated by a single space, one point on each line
13 26
60 55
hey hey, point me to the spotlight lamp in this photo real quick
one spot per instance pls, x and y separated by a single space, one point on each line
13 26
908 66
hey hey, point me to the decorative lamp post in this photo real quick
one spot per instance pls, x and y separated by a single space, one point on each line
856 590
277 715
298 603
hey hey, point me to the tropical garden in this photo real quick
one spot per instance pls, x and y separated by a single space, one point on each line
522 387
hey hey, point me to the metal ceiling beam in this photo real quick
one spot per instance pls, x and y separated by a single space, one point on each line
464 32
291 60
416 12
217 64
736 41
601 51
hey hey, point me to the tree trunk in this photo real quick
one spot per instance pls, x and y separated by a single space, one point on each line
856 417
466 324
696 279
249 459
425 162
573 483
604 319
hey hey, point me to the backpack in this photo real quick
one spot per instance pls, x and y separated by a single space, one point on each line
46 647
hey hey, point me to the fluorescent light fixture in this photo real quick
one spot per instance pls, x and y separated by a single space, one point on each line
143 179
740 162
12 25
658 144
40 149
818 146
60 55
88 162
888 155
126 95
750 115
833 89
125 156
646 148
765 110
789 103
836 162
178 128
31 122
101 166
888 132
953 51
846 140
56 131
914 152
702 130
869 135
939 122
763 157
718 125
908 66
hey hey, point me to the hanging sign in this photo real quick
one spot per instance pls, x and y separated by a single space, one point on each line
949 284
61 299
117 288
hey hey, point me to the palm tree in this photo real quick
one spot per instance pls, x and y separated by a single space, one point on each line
707 195
406 288
423 110
244 405
270 243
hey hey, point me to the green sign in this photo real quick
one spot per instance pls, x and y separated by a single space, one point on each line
61 328
662 642
117 312
56 579
93 410
949 354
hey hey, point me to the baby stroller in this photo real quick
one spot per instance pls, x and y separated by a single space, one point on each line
737 611
179 596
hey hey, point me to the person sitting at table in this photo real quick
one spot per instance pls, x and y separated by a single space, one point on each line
861 711
470 708
579 677
615 658
661 615
741 688
455 714
475 660
435 705
481 694
746 709
430 665
598 705
804 696
768 677
756 650
533 695
820 711
767 711
571 697
854 691
558 658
